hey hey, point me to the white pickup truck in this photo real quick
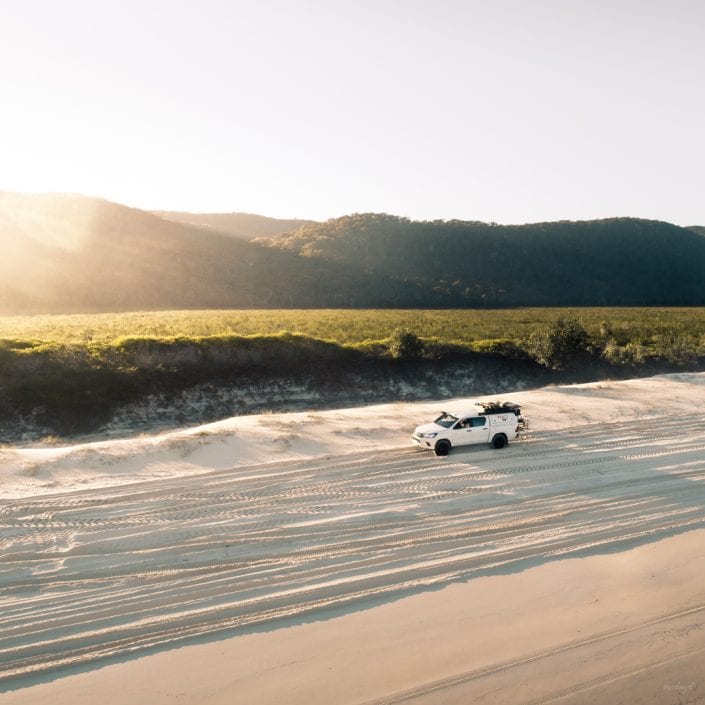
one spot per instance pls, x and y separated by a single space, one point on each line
495 423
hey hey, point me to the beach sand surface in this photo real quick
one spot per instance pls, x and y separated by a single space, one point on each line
317 558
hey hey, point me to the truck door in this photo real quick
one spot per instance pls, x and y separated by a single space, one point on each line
480 429
470 430
461 433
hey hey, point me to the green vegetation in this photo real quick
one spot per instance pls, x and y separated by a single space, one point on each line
70 373
615 261
559 343
651 327
405 345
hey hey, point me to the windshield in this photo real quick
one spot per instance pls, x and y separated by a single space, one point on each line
446 420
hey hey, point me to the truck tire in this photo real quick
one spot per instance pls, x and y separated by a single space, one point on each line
442 447
499 441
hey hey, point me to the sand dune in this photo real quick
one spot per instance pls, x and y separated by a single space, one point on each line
270 438
111 549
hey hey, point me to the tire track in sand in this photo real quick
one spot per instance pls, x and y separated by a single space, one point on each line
93 574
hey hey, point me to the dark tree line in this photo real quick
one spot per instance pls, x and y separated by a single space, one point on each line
125 259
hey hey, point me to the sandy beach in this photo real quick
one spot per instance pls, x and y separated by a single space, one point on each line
318 558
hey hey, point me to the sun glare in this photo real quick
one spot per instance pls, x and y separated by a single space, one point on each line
52 220
35 231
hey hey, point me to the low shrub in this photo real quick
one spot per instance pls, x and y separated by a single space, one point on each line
629 355
559 344
498 346
405 345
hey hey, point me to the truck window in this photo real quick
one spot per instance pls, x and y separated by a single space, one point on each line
478 421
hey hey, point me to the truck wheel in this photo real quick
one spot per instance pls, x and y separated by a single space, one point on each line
499 441
442 448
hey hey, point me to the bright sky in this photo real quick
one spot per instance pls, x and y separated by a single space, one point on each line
498 110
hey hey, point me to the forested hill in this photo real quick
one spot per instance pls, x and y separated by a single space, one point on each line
245 226
65 254
71 253
617 261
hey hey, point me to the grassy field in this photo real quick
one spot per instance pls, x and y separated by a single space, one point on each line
344 326
70 373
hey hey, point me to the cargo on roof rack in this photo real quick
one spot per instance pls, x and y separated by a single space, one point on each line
498 407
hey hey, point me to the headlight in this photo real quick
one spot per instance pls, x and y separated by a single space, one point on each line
432 434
